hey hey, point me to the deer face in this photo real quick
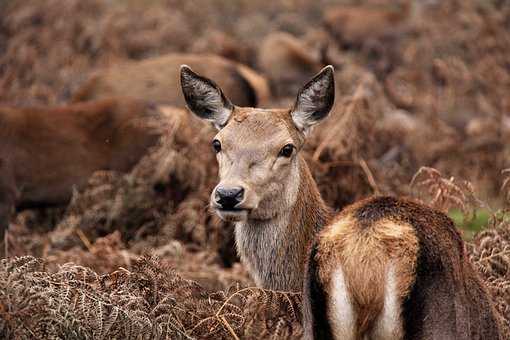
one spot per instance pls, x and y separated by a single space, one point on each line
257 149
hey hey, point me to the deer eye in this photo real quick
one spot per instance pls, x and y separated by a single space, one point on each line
216 145
286 151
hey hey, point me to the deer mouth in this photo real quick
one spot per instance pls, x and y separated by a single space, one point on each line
233 215
232 209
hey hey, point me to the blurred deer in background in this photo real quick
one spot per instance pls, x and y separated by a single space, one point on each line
382 269
354 25
46 152
288 62
157 80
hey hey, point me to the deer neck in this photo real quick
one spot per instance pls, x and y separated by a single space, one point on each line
274 250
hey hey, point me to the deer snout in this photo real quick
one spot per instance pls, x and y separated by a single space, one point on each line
228 197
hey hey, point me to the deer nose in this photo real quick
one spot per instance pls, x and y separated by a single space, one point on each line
228 198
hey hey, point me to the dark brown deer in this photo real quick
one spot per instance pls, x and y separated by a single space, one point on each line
382 269
46 152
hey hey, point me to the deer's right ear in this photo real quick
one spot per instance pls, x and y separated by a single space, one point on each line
315 100
205 98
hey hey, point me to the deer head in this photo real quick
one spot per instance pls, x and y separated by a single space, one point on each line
257 149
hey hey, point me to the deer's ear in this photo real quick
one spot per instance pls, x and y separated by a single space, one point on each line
205 98
314 100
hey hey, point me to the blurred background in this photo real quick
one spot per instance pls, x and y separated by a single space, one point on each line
422 110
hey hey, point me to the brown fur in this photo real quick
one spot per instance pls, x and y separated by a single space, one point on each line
48 151
264 247
310 213
355 25
287 62
364 253
157 80
441 294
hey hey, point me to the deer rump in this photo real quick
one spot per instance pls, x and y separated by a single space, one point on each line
49 151
410 281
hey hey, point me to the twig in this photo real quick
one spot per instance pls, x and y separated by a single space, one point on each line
370 176
229 328
84 239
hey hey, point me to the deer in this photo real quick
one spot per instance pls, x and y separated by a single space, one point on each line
388 268
156 79
285 60
354 25
47 152
382 268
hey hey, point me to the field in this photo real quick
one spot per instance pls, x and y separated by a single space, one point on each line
422 110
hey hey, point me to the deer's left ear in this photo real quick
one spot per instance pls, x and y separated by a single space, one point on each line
314 100
205 98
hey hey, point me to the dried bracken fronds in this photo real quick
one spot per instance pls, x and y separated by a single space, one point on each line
444 193
147 301
338 153
505 187
356 118
490 253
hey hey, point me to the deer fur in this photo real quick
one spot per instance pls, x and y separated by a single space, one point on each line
352 25
274 250
383 268
287 62
46 152
406 276
157 80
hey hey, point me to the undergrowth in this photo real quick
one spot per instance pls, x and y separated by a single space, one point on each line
148 301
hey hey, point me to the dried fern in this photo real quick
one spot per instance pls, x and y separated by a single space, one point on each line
505 187
445 193
149 301
490 253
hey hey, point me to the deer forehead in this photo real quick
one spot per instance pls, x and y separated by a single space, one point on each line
258 130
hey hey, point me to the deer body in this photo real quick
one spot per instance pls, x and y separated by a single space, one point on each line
46 152
287 61
156 80
354 25
388 268
383 268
